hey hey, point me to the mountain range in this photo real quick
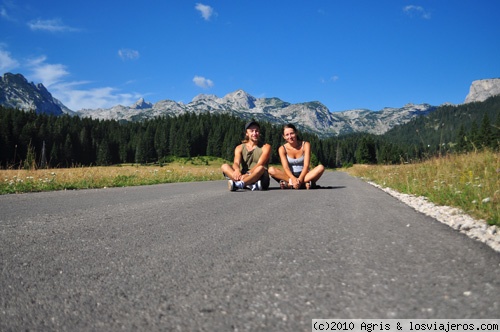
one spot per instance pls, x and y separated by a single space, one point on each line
17 92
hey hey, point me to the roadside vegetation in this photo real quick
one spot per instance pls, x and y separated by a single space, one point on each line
176 170
468 181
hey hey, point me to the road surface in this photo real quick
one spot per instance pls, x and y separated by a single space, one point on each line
194 256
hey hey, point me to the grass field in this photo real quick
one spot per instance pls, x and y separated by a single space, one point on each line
470 182
180 170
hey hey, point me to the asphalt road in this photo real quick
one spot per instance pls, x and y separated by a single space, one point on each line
194 256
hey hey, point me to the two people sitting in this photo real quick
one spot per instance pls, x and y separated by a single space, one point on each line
250 166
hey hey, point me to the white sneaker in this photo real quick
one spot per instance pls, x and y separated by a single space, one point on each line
235 185
256 186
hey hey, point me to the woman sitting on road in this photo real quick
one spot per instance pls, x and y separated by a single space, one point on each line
295 158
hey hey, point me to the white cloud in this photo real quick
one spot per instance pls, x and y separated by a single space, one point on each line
72 93
47 74
5 15
7 63
54 25
206 11
334 78
103 97
128 54
203 82
417 10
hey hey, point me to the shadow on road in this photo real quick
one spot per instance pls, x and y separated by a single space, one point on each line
318 187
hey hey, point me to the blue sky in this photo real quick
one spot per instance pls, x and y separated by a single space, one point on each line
351 54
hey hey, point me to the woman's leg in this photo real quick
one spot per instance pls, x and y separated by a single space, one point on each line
277 174
314 174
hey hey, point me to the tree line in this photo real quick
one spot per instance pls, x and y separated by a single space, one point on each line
31 140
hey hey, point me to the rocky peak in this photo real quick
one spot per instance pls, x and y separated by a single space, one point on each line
142 104
240 99
203 96
16 92
481 90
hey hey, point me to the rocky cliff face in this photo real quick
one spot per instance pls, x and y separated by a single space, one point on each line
481 90
17 92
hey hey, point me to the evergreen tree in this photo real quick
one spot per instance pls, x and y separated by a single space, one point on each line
485 137
160 140
474 135
461 140
68 151
496 133
103 154
54 155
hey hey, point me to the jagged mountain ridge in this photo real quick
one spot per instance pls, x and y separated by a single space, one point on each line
17 92
311 116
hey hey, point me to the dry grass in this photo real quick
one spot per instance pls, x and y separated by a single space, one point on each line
182 170
469 181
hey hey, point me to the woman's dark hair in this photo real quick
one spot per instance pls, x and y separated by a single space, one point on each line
291 126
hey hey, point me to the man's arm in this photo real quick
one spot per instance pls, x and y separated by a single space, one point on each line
237 162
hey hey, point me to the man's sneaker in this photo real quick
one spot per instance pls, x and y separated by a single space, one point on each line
256 186
235 185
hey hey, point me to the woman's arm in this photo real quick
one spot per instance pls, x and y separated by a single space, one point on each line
307 161
284 163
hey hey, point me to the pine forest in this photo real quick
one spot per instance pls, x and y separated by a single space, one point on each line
31 140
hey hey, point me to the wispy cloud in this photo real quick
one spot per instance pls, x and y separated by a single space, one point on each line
73 94
334 78
203 82
417 10
5 15
47 74
128 54
55 25
7 63
206 11
103 97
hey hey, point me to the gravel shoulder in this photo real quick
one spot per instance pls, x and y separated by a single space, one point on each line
451 216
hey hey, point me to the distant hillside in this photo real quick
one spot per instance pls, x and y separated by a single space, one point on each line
442 126
312 117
